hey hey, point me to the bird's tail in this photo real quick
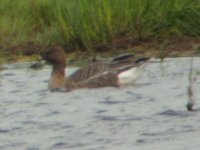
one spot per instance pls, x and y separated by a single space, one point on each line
142 61
122 58
127 61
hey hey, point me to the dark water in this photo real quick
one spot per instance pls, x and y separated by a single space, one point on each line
150 114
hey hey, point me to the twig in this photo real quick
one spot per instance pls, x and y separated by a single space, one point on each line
190 104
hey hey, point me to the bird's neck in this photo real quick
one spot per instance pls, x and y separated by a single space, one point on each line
57 79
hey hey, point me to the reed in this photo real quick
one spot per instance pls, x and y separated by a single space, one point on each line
82 24
190 92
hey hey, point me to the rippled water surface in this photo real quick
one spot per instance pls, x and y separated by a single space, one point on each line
150 114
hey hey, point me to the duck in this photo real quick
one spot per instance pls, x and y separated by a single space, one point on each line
122 70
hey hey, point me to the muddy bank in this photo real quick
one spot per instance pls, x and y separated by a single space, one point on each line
174 47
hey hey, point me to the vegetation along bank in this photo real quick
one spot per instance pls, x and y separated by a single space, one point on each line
86 27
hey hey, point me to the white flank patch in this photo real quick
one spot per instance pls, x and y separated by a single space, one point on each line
129 76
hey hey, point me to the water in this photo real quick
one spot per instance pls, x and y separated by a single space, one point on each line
151 114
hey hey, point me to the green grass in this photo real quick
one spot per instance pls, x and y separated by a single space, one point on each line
82 24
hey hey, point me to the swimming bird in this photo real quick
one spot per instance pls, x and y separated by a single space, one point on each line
121 70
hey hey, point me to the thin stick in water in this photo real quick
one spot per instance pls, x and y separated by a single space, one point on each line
190 104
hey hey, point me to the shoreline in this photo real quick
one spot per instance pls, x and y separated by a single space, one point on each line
173 48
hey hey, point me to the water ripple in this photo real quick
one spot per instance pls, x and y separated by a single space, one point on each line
101 111
120 118
107 118
59 144
15 91
4 130
52 113
110 102
171 112
8 74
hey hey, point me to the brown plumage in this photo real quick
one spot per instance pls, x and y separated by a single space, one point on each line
95 75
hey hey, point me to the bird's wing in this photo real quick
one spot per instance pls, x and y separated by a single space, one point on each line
90 71
105 79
